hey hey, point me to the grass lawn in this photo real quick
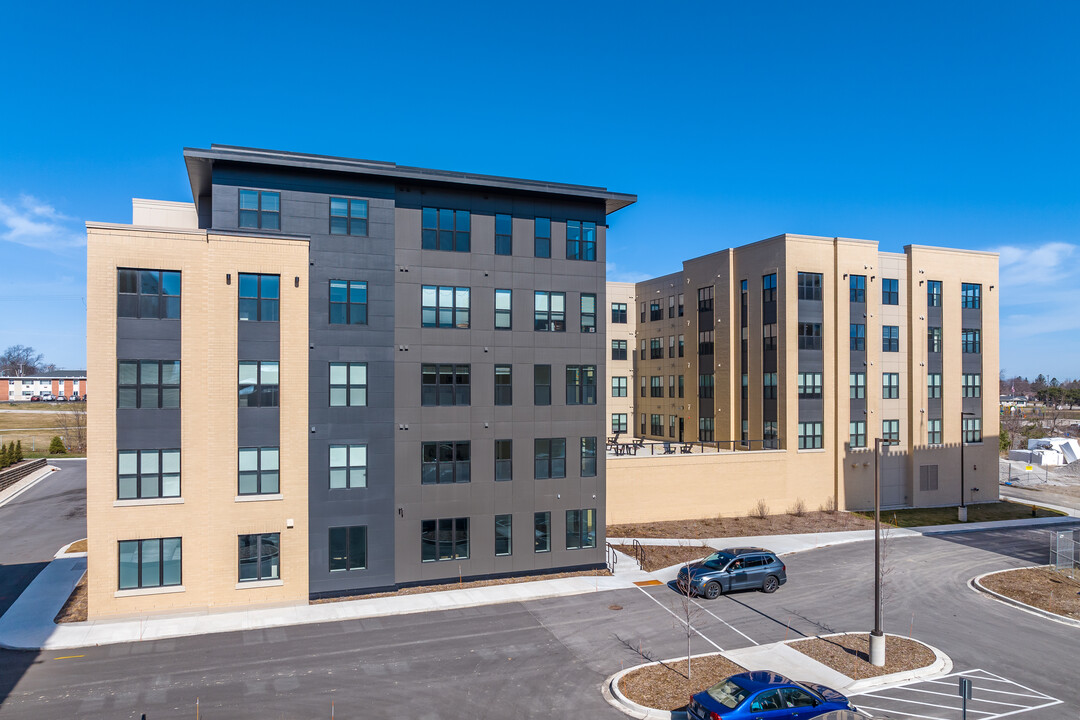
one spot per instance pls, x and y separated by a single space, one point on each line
34 429
39 406
985 512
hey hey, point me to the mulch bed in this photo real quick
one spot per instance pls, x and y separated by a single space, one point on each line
658 557
76 547
1040 587
665 687
74 609
809 522
850 654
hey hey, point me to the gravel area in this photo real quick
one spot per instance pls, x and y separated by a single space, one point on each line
665 687
74 609
419 589
850 654
809 522
76 547
658 557
1040 587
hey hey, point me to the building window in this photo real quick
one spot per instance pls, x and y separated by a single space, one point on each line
933 339
445 462
259 297
745 392
580 384
656 386
744 432
680 307
681 386
541 384
542 532
933 432
705 429
618 349
682 345
618 313
972 385
348 548
348 302
928 478
504 460
618 386
705 342
642 423
857 431
348 466
671 346
970 296
656 348
671 386
890 291
972 430
504 234
858 337
588 313
549 458
671 426
858 385
542 238
260 209
503 309
260 557
933 385
768 385
445 307
444 539
446 230
259 384
643 315
768 288
768 337
933 293
504 385
656 425
504 525
148 294
148 384
348 384
580 240
705 386
970 342
890 338
890 431
770 435
809 286
809 336
580 529
643 386
705 299
644 344
259 471
147 474
655 313
550 311
618 423
348 216
890 386
809 385
857 288
150 563
810 435
445 385
671 306
588 456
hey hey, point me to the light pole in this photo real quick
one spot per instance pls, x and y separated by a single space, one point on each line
877 637
962 510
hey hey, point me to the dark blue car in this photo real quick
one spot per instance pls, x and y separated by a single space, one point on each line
765 695
733 569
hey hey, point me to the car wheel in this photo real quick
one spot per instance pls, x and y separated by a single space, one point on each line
712 590
770 585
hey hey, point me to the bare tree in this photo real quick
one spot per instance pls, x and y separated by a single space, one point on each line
71 426
20 361
688 613
887 568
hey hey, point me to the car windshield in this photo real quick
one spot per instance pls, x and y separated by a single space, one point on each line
718 560
728 693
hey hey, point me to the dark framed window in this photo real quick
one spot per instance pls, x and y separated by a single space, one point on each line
682 345
890 386
770 435
445 462
681 386
809 385
150 563
504 533
148 294
706 429
588 456
444 539
618 386
933 385
503 309
348 548
857 433
348 466
671 346
259 297
588 313
445 230
348 302
970 340
259 471
671 306
933 432
705 386
348 384
259 383
580 240
858 337
768 383
260 209
642 423
445 385
643 313
618 423
809 336
550 311
542 532
890 338
857 291
890 431
618 313
656 386
504 460
933 293
933 339
705 342
504 385
618 349
148 384
260 557
671 386
810 435
768 288
857 382
656 424
348 216
890 291
504 234
671 426
655 312
542 237
680 305
144 474
972 430
768 337
745 389
705 299
809 286
656 348
580 529
445 307
541 384
972 385
549 458
970 296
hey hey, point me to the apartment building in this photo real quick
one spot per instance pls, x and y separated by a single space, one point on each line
69 384
788 357
328 376
620 331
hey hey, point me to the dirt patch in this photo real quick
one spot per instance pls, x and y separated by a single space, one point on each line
74 609
850 654
658 557
810 522
420 589
1040 587
983 512
665 687
77 547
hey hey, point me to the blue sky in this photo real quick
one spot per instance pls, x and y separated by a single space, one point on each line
930 123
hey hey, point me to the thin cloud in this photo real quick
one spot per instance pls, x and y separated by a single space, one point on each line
36 224
1038 266
614 274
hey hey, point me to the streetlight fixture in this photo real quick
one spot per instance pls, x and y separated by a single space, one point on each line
877 637
962 510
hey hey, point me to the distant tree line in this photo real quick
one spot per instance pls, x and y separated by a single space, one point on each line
1018 385
23 361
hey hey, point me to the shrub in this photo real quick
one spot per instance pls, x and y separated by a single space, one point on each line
760 510
56 447
4 460
18 451
829 506
798 509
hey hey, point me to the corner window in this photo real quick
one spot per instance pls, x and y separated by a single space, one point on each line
445 385
150 563
260 557
348 384
147 474
445 230
542 237
705 299
504 234
348 466
503 309
542 532
588 313
933 293
348 216
588 457
550 311
504 385
504 525
541 384
857 288
971 296
259 297
768 288
348 548
445 462
259 384
549 458
260 210
153 294
580 240
890 291
445 307
810 286
444 539
147 384
580 529
259 471
348 302
504 460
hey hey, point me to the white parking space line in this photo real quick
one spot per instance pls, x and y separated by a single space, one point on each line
906 715
674 615
726 623
953 695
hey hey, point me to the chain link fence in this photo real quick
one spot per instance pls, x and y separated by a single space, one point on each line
1011 472
1065 552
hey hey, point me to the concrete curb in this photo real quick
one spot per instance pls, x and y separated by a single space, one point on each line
63 552
25 484
615 698
942 665
977 586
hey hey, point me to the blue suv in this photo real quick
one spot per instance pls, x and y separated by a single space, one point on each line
733 569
